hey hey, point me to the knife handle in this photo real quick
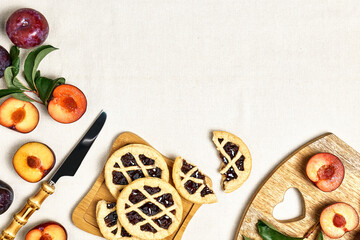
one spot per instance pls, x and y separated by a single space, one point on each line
33 204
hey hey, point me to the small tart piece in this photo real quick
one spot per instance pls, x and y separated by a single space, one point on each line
132 162
191 183
235 157
107 220
150 208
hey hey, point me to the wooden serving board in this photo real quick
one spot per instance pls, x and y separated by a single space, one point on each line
291 173
84 216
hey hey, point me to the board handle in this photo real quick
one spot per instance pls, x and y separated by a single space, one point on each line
22 217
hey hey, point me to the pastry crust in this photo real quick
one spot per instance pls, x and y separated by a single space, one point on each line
221 139
150 208
113 231
144 162
187 176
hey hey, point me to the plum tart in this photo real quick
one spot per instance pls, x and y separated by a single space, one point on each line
235 160
150 208
107 220
191 183
132 162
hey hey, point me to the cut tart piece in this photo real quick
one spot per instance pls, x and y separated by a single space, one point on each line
150 208
235 160
132 162
191 183
107 220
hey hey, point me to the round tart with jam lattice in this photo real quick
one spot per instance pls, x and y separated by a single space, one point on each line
191 183
235 160
107 219
132 162
150 208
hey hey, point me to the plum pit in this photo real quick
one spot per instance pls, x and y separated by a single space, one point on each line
33 162
339 221
18 115
326 172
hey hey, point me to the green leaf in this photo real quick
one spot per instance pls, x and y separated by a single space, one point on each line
15 59
6 92
11 80
32 63
320 236
268 232
22 96
246 238
46 86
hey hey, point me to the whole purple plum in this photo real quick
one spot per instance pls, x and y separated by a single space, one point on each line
27 28
5 60
6 197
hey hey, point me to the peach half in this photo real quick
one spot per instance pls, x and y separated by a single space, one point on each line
326 171
47 231
337 219
67 104
19 115
33 161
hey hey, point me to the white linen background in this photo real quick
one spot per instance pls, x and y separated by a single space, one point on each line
275 73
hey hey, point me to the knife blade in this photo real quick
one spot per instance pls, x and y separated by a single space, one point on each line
68 168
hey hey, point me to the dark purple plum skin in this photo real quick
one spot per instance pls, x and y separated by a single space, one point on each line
5 60
6 197
27 28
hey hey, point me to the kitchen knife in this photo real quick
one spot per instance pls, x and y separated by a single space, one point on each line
68 168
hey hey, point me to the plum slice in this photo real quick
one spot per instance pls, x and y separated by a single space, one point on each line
67 104
6 197
47 231
326 171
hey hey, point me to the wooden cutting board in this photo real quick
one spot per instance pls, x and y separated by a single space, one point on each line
291 173
84 216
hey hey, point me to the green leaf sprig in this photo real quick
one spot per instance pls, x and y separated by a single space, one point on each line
37 84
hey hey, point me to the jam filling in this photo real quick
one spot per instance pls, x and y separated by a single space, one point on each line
124 233
206 190
127 206
114 231
224 159
173 212
240 163
163 222
145 160
154 172
128 160
135 174
150 209
186 167
230 174
116 165
110 205
191 186
198 175
119 178
136 196
220 140
148 228
111 219
134 217
231 149
166 200
152 190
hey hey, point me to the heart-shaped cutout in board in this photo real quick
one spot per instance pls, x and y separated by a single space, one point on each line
291 208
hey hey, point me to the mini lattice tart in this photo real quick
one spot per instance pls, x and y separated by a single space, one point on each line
150 208
191 183
236 160
108 223
132 162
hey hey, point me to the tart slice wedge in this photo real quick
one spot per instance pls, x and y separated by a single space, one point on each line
235 158
191 183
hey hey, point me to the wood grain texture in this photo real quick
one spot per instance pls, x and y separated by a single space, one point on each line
84 215
291 173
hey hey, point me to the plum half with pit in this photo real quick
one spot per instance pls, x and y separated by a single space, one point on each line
27 28
5 60
6 197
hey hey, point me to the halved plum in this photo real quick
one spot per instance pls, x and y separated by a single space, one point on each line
19 115
326 171
68 104
47 231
